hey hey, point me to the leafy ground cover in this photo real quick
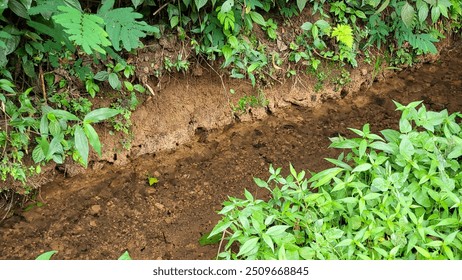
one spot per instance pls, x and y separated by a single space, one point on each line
395 196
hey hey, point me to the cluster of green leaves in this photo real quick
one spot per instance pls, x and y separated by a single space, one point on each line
411 28
48 35
395 196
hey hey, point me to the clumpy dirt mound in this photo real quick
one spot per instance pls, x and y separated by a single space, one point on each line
100 214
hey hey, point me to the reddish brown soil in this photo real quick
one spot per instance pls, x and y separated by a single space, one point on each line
100 214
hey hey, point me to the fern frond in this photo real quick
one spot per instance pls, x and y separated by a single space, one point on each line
423 42
344 34
84 29
122 26
47 8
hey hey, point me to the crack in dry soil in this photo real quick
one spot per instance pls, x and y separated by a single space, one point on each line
100 214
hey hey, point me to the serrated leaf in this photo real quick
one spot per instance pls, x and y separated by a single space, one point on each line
407 14
81 144
100 115
46 256
344 34
122 25
37 154
93 137
84 29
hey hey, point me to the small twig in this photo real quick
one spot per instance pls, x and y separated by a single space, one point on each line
221 243
160 9
42 83
269 75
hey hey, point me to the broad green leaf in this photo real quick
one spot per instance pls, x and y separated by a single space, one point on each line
450 238
260 183
37 154
339 163
423 252
456 152
325 176
258 18
227 52
435 14
55 128
301 4
220 227
136 3
249 246
46 256
100 115
423 12
44 126
362 167
345 242
206 240
93 137
362 148
448 222
125 257
307 26
277 230
407 14
18 8
371 196
81 144
101 76
114 81
55 147
64 115
406 148
267 239
379 145
200 3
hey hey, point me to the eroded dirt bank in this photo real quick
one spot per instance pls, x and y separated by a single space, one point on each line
100 214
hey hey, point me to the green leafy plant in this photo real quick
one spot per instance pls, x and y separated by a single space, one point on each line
85 29
395 196
122 26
